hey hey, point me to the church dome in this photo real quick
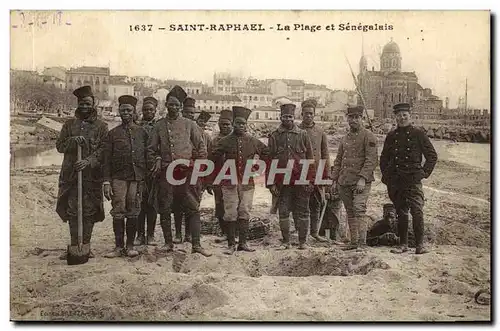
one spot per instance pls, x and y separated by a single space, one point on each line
391 47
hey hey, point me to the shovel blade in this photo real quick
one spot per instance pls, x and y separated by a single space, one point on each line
78 254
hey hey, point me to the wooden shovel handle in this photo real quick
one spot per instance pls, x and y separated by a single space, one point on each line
80 198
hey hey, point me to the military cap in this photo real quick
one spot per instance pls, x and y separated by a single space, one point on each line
82 92
150 100
204 116
402 107
309 103
189 102
226 114
178 93
241 112
288 108
127 100
388 207
358 110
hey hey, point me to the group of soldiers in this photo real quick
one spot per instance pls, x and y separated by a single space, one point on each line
129 165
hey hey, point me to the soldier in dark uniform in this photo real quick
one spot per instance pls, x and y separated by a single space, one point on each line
147 210
188 111
385 231
241 148
288 142
402 172
124 174
353 173
320 148
89 132
225 128
202 121
175 137
331 219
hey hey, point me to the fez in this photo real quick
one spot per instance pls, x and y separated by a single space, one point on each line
189 102
287 109
309 103
358 110
127 100
82 92
204 116
402 107
226 114
150 100
388 207
241 112
178 93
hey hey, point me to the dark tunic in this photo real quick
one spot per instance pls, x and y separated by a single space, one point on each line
94 131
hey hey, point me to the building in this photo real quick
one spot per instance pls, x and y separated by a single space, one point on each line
214 103
291 88
146 81
58 72
335 112
265 113
161 95
318 92
96 77
118 86
191 88
427 106
254 98
385 88
226 84
54 81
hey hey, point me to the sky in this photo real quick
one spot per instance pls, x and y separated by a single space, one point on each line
442 47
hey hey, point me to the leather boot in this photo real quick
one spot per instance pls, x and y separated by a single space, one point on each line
187 231
354 230
303 229
242 244
131 231
285 232
231 238
178 216
141 225
166 227
195 227
151 219
88 228
119 230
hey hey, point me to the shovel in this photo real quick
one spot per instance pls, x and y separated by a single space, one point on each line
79 254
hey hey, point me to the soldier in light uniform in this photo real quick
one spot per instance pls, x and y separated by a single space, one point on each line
241 148
320 148
288 142
148 213
188 111
225 128
402 172
175 137
124 173
353 173
202 121
89 132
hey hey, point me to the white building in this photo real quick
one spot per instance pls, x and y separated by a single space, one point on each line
265 113
255 98
225 84
318 92
214 103
118 87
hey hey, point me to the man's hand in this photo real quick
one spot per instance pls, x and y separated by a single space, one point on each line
80 165
108 191
156 168
209 189
360 186
80 140
274 190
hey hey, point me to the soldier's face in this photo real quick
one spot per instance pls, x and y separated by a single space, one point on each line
201 123
148 112
240 125
85 106
308 115
287 120
188 112
225 127
354 121
173 107
126 112
403 118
